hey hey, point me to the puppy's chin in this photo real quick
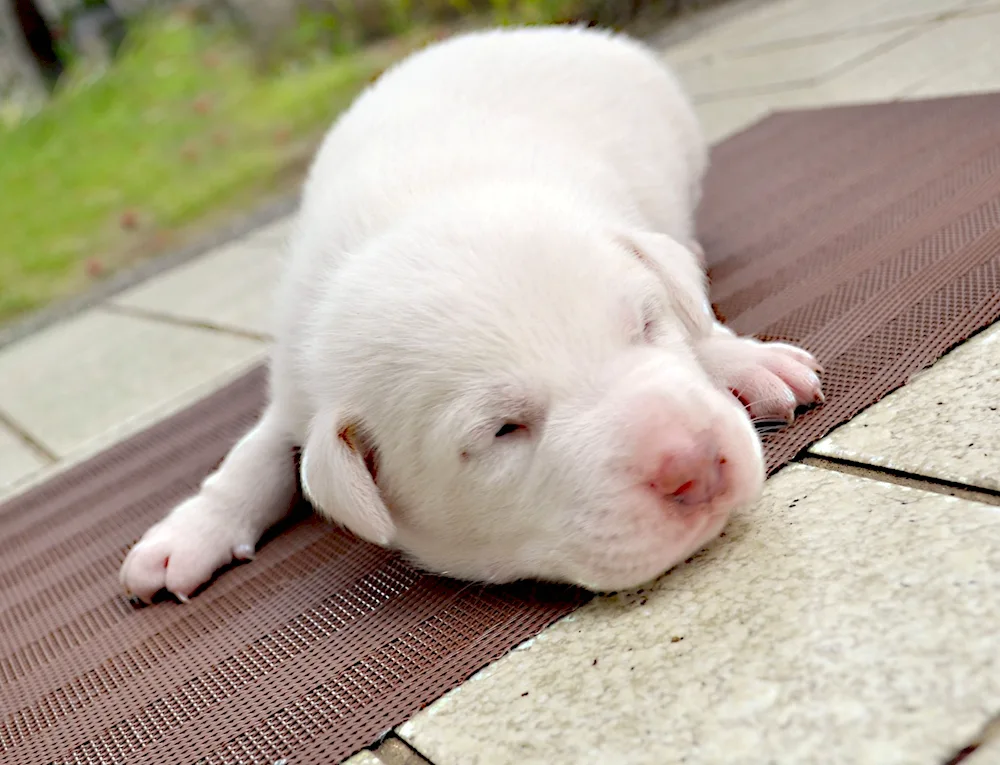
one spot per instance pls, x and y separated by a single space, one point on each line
482 569
645 535
633 549
621 563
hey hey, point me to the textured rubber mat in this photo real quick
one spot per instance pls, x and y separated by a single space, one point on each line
871 235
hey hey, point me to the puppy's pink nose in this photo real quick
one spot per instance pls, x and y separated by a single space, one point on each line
688 470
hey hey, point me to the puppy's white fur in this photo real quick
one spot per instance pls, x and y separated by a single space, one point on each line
493 339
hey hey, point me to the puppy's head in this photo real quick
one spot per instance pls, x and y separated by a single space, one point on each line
511 392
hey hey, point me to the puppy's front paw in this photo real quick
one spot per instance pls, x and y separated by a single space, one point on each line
181 552
772 380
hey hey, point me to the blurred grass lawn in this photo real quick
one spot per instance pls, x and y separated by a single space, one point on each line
179 130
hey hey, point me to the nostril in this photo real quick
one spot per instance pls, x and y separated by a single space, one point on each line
691 482
686 467
684 488
674 474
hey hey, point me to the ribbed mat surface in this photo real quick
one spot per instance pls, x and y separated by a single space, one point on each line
870 235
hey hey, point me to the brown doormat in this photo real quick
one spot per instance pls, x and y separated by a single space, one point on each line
871 235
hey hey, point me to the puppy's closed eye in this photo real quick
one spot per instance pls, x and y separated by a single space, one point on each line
648 326
649 330
510 429
500 417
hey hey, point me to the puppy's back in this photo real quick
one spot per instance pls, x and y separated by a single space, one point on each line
494 100
587 110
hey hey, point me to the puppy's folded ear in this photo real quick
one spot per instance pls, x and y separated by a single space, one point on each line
680 270
338 482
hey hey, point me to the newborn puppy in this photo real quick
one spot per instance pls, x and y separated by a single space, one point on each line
494 345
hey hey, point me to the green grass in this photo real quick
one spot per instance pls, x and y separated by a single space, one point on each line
179 132
180 128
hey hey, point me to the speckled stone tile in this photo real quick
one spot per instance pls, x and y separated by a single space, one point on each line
985 746
393 751
231 287
944 424
390 752
988 753
841 620
72 382
364 758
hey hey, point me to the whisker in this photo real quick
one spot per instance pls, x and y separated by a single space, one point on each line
764 418
767 418
769 431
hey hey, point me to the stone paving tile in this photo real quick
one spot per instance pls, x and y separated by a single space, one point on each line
945 424
988 754
841 620
364 758
950 57
17 460
982 76
394 751
72 382
231 287
988 750
955 51
721 119
970 64
784 23
126 428
785 68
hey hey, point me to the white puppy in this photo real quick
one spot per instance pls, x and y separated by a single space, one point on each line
494 345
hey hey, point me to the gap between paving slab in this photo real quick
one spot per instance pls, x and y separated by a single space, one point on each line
902 478
32 445
17 459
771 26
125 429
899 69
184 321
785 69
231 289
944 425
74 381
984 749
395 751
927 20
